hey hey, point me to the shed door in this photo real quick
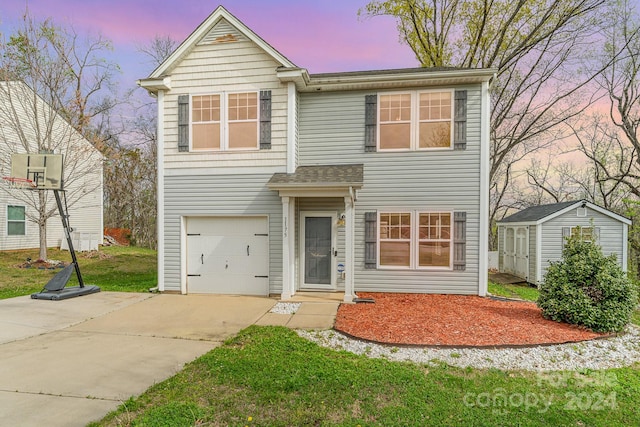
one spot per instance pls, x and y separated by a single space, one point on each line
509 250
522 252
228 255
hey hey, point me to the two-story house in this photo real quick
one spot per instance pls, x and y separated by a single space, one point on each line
273 180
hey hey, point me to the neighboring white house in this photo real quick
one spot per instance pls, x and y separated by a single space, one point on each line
273 180
24 119
529 240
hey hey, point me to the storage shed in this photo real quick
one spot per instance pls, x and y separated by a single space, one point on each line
528 241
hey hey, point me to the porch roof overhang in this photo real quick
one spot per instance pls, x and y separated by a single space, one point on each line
319 181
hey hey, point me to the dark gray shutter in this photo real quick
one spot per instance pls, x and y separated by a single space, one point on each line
370 240
370 122
183 123
265 119
459 241
460 120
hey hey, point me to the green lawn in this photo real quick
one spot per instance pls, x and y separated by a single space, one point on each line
268 376
113 268
524 292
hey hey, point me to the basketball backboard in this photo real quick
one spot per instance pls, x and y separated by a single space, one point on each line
44 170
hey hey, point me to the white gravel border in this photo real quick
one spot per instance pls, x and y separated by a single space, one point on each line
619 351
285 307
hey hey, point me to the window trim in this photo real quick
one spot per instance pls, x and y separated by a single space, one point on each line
224 122
414 241
24 221
592 231
414 121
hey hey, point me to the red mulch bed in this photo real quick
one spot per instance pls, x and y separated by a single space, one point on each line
453 320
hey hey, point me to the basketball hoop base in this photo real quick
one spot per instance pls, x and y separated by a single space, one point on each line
66 293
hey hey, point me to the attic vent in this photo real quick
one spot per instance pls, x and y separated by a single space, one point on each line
222 32
582 212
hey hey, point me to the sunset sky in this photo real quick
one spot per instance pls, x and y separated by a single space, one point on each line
320 35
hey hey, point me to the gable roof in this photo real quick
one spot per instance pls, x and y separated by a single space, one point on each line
542 213
536 213
203 30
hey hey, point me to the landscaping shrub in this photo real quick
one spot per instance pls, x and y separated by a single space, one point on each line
588 289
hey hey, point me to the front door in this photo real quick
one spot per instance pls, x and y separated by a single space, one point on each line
318 250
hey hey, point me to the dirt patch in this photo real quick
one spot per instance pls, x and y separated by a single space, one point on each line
94 255
453 320
42 264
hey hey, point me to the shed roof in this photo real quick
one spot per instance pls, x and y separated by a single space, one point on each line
542 213
535 213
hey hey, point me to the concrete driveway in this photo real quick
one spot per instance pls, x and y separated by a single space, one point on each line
67 363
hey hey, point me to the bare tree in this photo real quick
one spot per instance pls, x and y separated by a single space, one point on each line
55 84
535 45
131 169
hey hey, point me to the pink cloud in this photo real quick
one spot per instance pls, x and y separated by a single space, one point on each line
322 36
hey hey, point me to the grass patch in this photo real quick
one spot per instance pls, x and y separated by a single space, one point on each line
113 268
524 292
271 376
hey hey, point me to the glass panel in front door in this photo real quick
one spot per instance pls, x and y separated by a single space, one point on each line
317 252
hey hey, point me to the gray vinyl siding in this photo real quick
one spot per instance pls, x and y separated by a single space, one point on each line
552 242
226 67
532 254
332 132
220 195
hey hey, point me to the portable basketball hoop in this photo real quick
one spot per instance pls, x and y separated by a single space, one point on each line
44 172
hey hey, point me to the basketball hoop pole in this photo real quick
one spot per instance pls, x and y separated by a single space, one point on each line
65 226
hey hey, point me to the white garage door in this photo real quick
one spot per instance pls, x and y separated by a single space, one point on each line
228 255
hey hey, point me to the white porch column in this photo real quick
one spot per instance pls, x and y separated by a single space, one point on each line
288 247
349 288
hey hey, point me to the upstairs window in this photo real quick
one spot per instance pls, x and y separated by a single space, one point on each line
434 129
206 127
243 120
395 121
415 120
16 221
224 121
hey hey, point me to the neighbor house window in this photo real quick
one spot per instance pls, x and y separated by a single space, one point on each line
585 234
227 121
16 221
415 120
415 239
